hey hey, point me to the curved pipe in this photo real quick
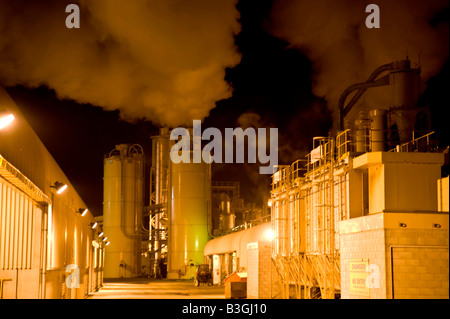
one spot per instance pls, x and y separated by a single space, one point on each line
361 87
402 65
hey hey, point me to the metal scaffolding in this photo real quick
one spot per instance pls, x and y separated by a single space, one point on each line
304 211
309 199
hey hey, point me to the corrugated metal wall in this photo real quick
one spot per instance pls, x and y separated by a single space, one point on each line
16 228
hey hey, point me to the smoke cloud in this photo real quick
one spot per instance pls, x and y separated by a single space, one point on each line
344 51
163 61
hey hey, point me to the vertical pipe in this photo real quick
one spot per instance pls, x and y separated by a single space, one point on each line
331 172
43 251
160 168
377 127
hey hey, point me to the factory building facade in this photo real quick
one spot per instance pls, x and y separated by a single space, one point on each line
48 246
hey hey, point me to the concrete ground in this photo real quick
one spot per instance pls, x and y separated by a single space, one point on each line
156 289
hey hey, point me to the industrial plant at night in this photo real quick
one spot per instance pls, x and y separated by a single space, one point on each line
320 175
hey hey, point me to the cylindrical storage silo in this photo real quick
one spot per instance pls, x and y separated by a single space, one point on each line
190 193
378 130
122 210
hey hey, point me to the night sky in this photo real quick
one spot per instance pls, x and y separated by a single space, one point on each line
274 85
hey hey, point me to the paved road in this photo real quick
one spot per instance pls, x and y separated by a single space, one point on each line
156 289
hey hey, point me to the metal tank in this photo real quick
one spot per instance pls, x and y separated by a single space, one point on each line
377 130
404 82
122 210
361 132
226 217
406 89
190 195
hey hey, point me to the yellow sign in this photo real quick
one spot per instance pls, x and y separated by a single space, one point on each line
358 277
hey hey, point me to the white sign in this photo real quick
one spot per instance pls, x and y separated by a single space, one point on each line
316 154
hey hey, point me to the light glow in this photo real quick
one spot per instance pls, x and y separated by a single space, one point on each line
269 235
84 212
6 120
61 189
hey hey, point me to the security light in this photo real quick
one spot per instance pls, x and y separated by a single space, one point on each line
82 211
5 119
59 187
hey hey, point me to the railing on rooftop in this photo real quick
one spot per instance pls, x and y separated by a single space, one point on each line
424 143
348 142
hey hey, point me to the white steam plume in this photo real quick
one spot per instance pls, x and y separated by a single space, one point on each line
160 60
344 51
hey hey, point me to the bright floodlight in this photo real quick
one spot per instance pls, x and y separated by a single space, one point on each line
59 187
84 212
5 120
94 225
62 189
